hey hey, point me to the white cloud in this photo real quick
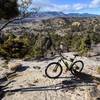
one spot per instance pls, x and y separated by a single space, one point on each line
63 8
46 5
79 6
54 7
40 4
94 4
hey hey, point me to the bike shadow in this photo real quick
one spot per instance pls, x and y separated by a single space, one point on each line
76 81
81 79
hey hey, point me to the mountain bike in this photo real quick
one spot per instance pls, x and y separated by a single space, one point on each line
54 69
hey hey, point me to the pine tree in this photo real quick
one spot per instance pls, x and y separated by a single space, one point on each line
8 9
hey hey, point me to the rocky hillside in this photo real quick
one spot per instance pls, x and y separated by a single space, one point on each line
59 25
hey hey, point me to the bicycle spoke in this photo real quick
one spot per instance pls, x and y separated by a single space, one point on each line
53 70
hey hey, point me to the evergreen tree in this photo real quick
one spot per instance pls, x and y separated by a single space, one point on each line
8 9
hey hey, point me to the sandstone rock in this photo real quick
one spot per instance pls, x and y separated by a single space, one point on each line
91 54
13 66
76 24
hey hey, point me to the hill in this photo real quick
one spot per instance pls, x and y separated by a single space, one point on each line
48 15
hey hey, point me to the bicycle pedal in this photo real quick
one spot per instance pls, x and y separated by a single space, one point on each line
66 71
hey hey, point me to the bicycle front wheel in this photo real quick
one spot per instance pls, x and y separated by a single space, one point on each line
53 70
77 67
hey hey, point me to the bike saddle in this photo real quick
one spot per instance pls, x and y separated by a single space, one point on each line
76 55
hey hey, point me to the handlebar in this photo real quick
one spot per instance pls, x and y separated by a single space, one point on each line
75 55
64 57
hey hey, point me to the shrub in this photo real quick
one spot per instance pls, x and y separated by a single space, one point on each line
67 39
75 43
36 52
98 69
56 39
82 47
39 47
14 47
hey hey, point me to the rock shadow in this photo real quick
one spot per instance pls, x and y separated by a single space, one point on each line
21 69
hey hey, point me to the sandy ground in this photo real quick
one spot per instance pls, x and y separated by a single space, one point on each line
31 83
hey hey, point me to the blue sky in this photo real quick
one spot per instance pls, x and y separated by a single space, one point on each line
69 1
68 6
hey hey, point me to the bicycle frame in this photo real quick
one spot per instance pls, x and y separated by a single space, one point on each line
58 67
66 63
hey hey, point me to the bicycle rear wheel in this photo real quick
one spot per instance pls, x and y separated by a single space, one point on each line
53 70
77 67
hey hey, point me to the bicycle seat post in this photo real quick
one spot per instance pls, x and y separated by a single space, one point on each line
75 55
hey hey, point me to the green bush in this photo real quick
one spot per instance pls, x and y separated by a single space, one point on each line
98 69
82 48
67 40
37 46
75 43
56 39
14 47
36 53
95 37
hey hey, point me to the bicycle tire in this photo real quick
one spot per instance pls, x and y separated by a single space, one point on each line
47 69
73 70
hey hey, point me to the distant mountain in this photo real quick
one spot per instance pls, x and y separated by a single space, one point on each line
42 15
81 15
47 15
61 14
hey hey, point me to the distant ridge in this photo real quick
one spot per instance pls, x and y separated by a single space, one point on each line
81 15
47 15
61 14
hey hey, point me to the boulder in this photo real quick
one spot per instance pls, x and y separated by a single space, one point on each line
13 66
76 24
